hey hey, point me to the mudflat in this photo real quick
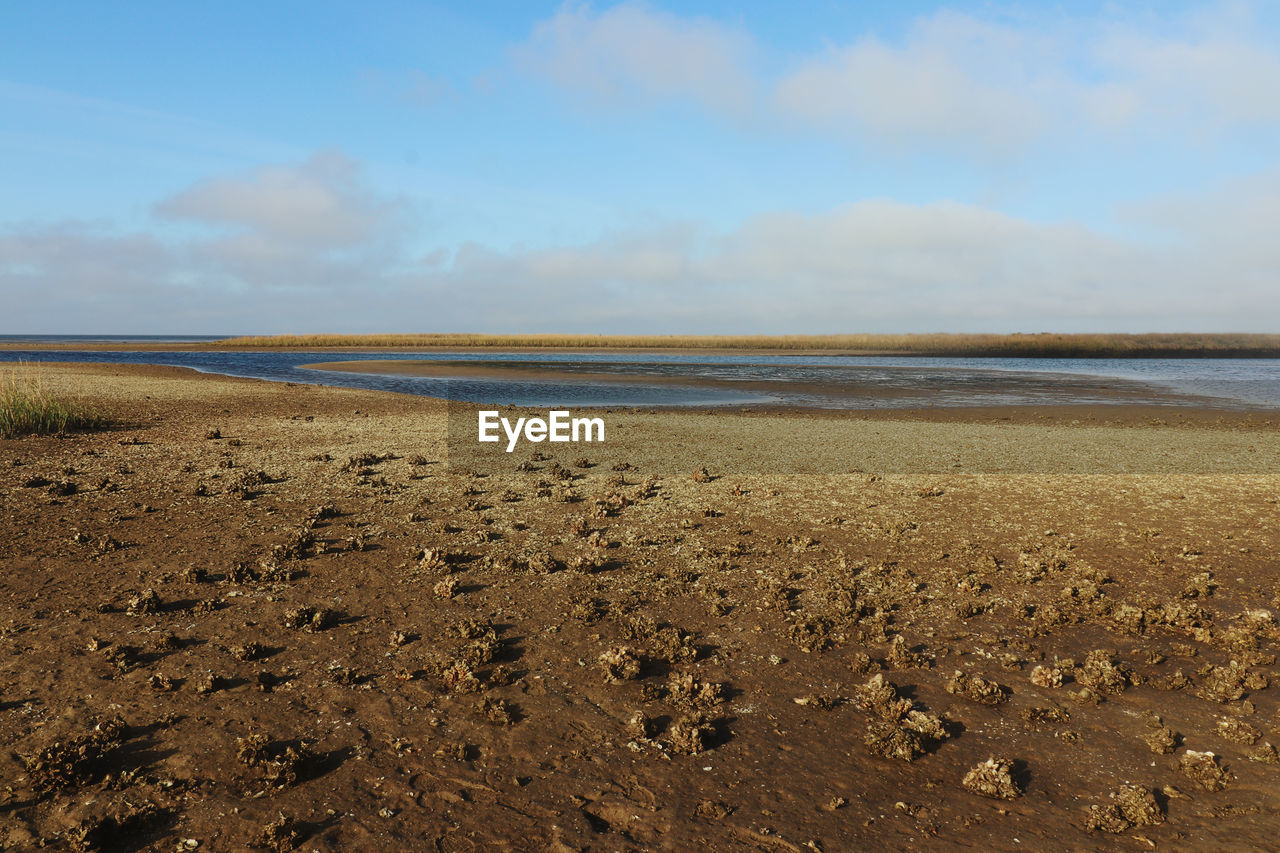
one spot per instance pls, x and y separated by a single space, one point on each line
291 616
843 387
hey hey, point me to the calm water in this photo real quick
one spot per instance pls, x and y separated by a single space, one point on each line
831 381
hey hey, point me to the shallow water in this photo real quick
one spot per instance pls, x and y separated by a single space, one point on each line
811 381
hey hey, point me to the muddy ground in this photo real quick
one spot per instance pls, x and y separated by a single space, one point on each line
257 614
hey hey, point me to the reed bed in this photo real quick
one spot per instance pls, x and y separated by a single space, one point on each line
978 345
27 408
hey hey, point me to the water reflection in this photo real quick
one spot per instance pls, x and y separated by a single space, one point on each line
812 381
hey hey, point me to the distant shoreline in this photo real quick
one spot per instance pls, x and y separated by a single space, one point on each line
1173 345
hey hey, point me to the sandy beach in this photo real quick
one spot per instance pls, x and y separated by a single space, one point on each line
290 614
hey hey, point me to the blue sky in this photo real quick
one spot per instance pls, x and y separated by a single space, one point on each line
693 167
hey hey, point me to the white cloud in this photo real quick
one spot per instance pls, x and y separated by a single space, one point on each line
323 202
1228 236
292 226
870 265
632 53
295 243
78 278
1219 78
81 262
952 81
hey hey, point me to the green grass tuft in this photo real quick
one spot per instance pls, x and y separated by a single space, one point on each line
26 408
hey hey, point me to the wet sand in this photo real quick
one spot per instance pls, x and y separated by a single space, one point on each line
318 632
859 387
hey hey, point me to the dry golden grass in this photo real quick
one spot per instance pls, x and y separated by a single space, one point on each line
1030 345
27 408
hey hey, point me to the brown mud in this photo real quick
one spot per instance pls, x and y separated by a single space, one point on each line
260 615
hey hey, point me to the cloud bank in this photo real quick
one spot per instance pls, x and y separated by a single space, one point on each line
950 79
306 247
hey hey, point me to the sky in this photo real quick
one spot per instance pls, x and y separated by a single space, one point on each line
657 168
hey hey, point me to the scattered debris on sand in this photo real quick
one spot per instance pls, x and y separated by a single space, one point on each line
329 635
